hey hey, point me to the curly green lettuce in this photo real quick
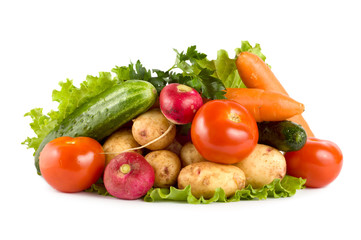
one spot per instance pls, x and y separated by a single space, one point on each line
69 98
286 187
277 189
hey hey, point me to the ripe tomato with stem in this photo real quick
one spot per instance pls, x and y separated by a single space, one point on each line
223 131
72 164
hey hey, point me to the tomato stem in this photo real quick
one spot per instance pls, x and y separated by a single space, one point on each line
234 117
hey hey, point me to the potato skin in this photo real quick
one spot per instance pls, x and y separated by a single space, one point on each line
119 141
150 125
166 165
263 165
205 177
189 155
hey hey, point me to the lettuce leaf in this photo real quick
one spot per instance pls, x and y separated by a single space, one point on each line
225 67
41 125
99 189
247 47
277 189
226 70
69 98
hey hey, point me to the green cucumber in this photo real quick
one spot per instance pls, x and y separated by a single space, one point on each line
104 113
284 135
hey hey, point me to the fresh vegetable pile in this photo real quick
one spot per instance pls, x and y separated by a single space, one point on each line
203 131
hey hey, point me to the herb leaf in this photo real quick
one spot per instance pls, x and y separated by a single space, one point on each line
202 79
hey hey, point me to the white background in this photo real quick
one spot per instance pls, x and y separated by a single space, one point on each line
313 47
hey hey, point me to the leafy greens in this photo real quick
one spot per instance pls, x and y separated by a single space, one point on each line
276 189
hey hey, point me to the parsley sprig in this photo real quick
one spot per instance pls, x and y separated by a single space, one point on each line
191 74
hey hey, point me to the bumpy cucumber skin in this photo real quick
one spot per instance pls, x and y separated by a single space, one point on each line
103 114
285 135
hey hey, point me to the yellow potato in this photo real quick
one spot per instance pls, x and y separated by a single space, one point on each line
119 141
205 177
189 155
166 165
263 165
149 126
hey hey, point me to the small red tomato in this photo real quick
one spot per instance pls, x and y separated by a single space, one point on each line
72 164
319 161
223 131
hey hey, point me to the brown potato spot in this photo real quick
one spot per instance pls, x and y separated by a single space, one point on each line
143 133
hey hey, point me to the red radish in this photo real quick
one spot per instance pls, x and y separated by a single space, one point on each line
179 103
128 176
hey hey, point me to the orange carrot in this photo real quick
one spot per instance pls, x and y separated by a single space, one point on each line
265 105
255 73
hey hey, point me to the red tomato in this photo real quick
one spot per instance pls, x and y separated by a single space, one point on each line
223 131
319 161
72 164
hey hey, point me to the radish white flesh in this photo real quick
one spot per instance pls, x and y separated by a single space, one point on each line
179 103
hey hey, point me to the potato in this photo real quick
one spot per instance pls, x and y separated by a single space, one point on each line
263 165
166 165
205 177
150 125
189 155
119 141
